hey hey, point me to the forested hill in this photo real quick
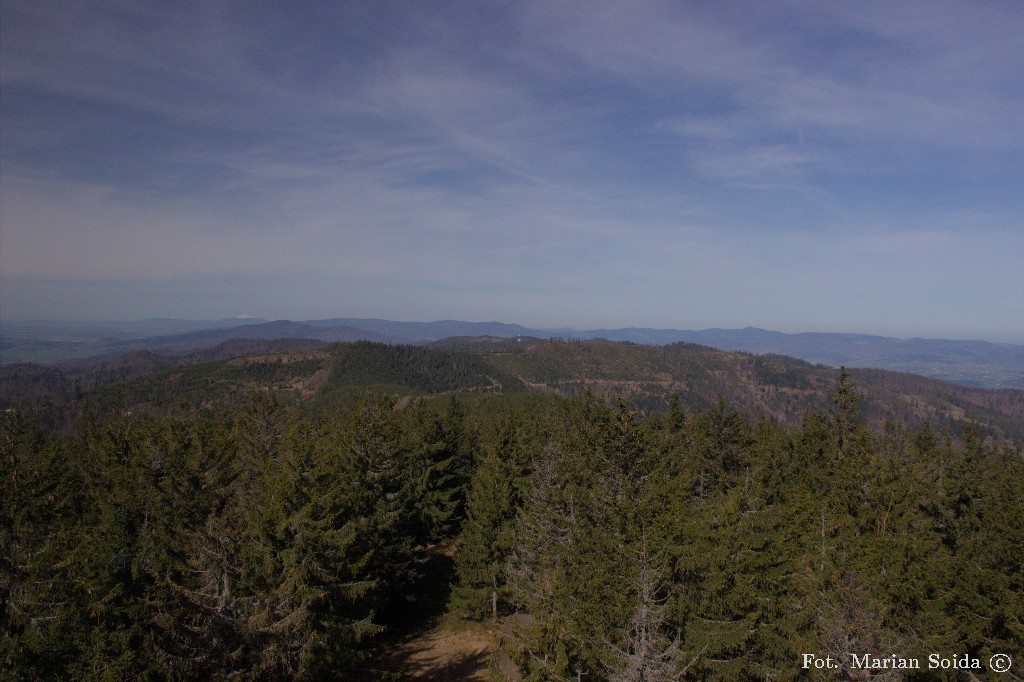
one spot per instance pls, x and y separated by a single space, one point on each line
648 376
776 385
296 514
969 363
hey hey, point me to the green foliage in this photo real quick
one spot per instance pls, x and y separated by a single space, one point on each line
444 464
39 510
487 535
845 423
416 367
265 541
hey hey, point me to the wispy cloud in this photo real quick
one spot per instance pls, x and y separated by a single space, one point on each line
530 155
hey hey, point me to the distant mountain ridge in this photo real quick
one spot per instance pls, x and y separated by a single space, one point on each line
646 374
969 363
428 331
266 331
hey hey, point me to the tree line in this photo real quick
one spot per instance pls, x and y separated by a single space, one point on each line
276 542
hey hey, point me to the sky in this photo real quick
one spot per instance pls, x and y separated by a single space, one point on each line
792 165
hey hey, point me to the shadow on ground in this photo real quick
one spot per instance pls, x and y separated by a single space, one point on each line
416 646
438 655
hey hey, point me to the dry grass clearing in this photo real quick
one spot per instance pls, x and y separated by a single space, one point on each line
446 652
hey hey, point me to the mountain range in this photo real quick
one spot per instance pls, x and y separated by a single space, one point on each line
319 373
970 363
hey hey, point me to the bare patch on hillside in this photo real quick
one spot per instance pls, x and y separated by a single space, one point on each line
443 653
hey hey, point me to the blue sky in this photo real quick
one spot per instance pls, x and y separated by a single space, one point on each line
799 166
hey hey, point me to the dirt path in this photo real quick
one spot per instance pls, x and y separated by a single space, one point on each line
442 653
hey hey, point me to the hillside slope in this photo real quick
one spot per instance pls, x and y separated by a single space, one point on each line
302 370
970 363
783 387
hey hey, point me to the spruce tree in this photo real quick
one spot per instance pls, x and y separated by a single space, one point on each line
444 459
844 413
648 652
486 538
39 512
381 520
543 545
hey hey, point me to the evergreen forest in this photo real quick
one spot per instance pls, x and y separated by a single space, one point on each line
283 519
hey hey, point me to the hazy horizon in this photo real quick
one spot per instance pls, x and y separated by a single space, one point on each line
259 319
791 166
